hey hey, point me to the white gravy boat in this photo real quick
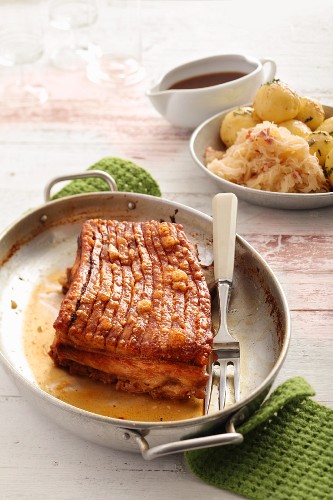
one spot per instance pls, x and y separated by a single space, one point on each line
190 107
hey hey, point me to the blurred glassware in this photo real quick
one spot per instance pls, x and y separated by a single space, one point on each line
73 16
21 44
118 44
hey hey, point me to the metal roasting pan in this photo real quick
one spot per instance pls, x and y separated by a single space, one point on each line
46 238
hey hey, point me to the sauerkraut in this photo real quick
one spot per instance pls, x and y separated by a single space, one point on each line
269 158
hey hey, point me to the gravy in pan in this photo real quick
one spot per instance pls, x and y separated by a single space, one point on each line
81 392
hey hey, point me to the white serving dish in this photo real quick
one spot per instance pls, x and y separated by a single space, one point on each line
208 134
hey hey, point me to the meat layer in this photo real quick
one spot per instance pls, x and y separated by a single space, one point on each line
137 310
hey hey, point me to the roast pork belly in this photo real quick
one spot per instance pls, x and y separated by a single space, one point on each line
137 310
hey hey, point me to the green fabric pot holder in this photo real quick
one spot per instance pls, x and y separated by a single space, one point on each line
287 451
128 176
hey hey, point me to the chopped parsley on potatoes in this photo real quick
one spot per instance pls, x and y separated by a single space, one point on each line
234 121
328 167
276 102
327 125
311 112
320 144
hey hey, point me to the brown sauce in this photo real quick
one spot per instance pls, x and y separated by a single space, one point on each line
207 80
82 392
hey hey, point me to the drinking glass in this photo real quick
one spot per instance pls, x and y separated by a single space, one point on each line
118 42
21 44
73 16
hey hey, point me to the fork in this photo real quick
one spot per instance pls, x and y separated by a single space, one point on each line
226 349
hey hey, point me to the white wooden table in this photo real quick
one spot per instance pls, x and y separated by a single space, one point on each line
82 123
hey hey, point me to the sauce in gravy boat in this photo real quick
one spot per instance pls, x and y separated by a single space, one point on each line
189 94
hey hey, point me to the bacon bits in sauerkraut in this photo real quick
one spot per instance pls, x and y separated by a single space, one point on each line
269 158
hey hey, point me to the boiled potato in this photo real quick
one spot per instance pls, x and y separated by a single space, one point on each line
328 167
311 112
256 117
234 121
320 144
276 102
327 125
296 127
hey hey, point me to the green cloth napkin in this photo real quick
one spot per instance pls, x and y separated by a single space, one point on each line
128 176
287 451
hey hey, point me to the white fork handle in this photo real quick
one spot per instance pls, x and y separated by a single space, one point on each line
224 234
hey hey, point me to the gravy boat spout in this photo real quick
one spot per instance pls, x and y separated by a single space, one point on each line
159 98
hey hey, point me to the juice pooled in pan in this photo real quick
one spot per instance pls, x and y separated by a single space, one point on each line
82 392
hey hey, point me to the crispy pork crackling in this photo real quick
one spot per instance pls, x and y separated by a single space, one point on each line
137 310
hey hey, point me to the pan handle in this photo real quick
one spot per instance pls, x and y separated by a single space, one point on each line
91 173
230 437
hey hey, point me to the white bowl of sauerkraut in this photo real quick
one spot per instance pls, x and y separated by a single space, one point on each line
266 165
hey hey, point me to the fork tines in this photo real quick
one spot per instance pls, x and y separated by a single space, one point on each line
225 352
